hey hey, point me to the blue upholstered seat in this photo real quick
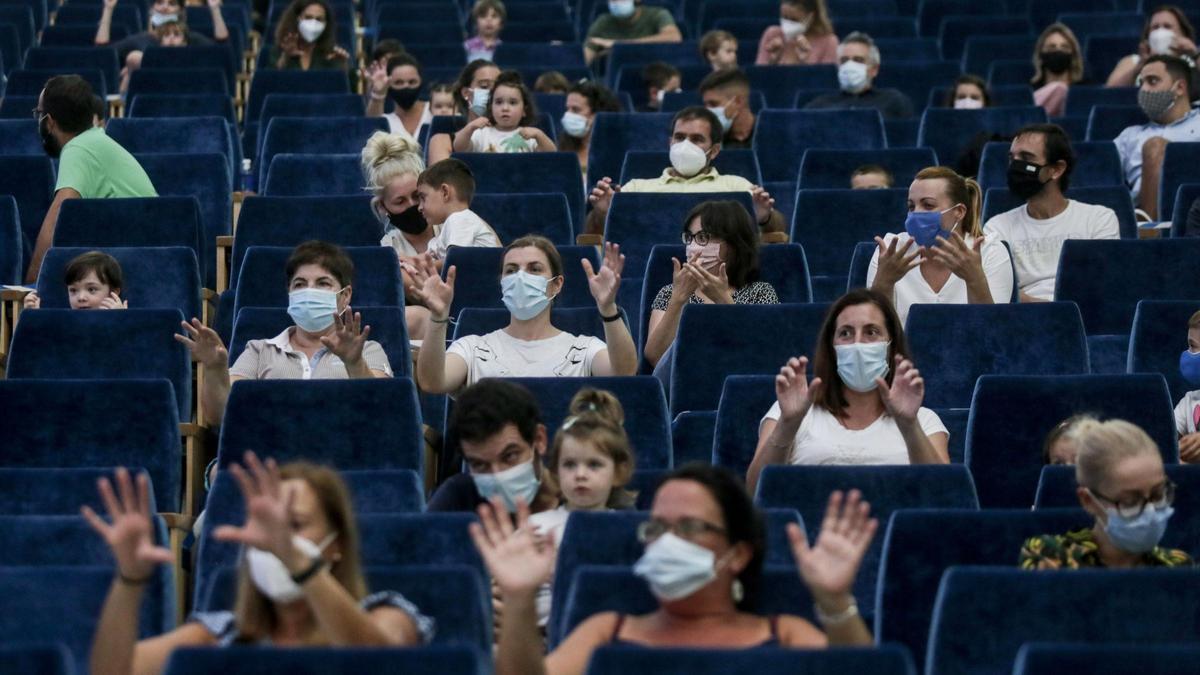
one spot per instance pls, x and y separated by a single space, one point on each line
1096 164
638 660
55 491
12 247
916 75
692 436
314 135
1006 458
520 173
829 223
193 135
949 131
831 169
779 83
20 137
674 101
44 659
1106 122
271 81
205 177
155 277
30 180
29 81
1081 98
887 488
262 279
102 58
420 661
1133 606
515 215
931 12
133 223
1185 197
182 105
614 134
216 56
515 55
636 54
782 136
1101 53
1005 339
745 399
997 200
312 175
651 164
387 325
383 491
955 30
202 80
1178 167
478 280
1155 342
982 48
1049 658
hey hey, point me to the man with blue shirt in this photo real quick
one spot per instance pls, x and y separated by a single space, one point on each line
1164 94
91 165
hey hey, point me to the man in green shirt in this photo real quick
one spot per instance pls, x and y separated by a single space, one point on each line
91 165
629 21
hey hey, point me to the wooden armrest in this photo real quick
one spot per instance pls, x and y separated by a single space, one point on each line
240 196
775 237
178 521
191 430
225 241
13 295
224 255
589 239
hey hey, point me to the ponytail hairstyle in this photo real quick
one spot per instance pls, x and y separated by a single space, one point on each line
387 156
597 417
963 191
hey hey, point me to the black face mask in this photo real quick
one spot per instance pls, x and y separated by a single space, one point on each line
404 97
408 221
48 143
1023 180
1056 62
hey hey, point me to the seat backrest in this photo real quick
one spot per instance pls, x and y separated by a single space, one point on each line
1178 166
920 544
155 277
719 346
915 77
1050 658
887 488
782 136
56 491
637 54
429 660
525 172
207 178
179 81
778 84
1006 458
1140 607
102 434
997 200
1080 99
134 222
523 54
47 659
955 30
289 221
62 344
310 105
1107 278
1106 122
1101 53
1185 198
478 280
182 105
829 223
614 134
638 221
315 135
20 137
272 81
304 175
12 246
637 660
651 164
1004 339
193 135
1096 164
513 216
216 56
860 264
1155 344
831 169
103 59
931 12
30 180
262 280
387 324
745 399
980 49
385 490
948 131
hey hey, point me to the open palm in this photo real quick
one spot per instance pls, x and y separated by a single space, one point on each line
518 560
267 525
435 293
605 282
793 390
130 534
904 396
830 566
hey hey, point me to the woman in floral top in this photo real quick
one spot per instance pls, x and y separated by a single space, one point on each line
1123 486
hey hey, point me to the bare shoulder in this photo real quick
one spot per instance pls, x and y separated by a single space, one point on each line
795 631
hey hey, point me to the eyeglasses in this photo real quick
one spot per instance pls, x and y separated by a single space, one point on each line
702 238
37 113
1160 498
687 528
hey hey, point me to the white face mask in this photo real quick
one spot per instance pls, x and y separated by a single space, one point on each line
859 363
726 121
688 159
968 104
519 481
792 29
622 9
574 124
852 77
311 29
1160 40
479 101
675 568
159 19
271 576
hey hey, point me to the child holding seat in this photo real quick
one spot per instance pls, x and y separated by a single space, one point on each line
507 127
94 281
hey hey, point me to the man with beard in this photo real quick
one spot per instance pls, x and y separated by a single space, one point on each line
1039 172
91 165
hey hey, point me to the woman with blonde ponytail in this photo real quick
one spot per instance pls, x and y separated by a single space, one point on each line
942 256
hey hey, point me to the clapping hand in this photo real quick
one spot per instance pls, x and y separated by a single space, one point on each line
764 203
793 390
715 287
894 263
376 74
604 283
602 194
429 288
348 337
903 398
965 262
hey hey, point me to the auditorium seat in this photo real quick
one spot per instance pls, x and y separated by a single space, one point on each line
12 248
1178 165
515 215
997 200
1049 658
314 135
949 131
982 48
208 179
30 180
29 81
1158 337
478 277
262 279
382 491
692 437
387 325
745 399
1106 122
614 134
1097 164
44 658
155 277
956 30
831 169
829 223
272 81
182 105
102 58
179 81
55 491
1185 197
635 54
674 101
782 136
216 56
313 175
1101 53
536 172
419 661
193 135
1081 99
1006 458
139 222
1001 95
651 164
526 54
637 660
20 137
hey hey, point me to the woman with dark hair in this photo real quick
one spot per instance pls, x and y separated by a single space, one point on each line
399 79
721 268
858 409
306 38
705 545
1167 31
970 92
584 100
472 93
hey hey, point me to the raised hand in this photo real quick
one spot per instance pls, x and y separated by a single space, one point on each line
830 566
964 262
903 398
376 74
113 301
895 262
130 534
775 45
518 560
290 45
437 295
31 301
214 4
715 287
602 194
348 337
268 520
204 344
683 284
604 283
763 203
793 390
338 53
110 4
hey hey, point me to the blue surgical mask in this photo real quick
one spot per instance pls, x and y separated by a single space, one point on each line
312 308
719 111
479 101
524 294
925 226
1189 367
622 9
520 481
859 363
1140 534
574 124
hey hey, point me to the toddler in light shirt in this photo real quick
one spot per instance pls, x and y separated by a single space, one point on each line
444 193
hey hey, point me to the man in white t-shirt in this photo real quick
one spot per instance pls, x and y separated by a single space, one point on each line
1039 171
1164 94
444 193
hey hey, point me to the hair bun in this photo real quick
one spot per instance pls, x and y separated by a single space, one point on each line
382 146
600 403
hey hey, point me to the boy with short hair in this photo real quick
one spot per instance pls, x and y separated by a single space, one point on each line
719 48
660 77
871 177
444 193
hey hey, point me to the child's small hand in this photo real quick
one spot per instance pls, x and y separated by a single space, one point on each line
529 133
114 301
479 123
32 301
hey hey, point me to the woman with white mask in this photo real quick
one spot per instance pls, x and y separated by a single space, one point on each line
584 100
300 580
942 256
306 38
1123 486
804 36
1167 31
705 545
530 346
863 405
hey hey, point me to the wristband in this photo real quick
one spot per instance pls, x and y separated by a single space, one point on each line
317 565
610 319
836 619
381 97
445 320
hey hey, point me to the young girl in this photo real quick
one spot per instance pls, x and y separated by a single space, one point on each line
489 18
590 462
441 100
1187 411
93 282
506 128
719 49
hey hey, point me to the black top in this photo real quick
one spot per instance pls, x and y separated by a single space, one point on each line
140 42
889 102
457 494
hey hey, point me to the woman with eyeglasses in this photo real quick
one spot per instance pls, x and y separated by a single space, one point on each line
721 268
705 545
1123 486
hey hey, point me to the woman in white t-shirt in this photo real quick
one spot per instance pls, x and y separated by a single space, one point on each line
399 80
857 409
943 256
530 346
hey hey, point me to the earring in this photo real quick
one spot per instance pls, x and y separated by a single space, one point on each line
739 591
